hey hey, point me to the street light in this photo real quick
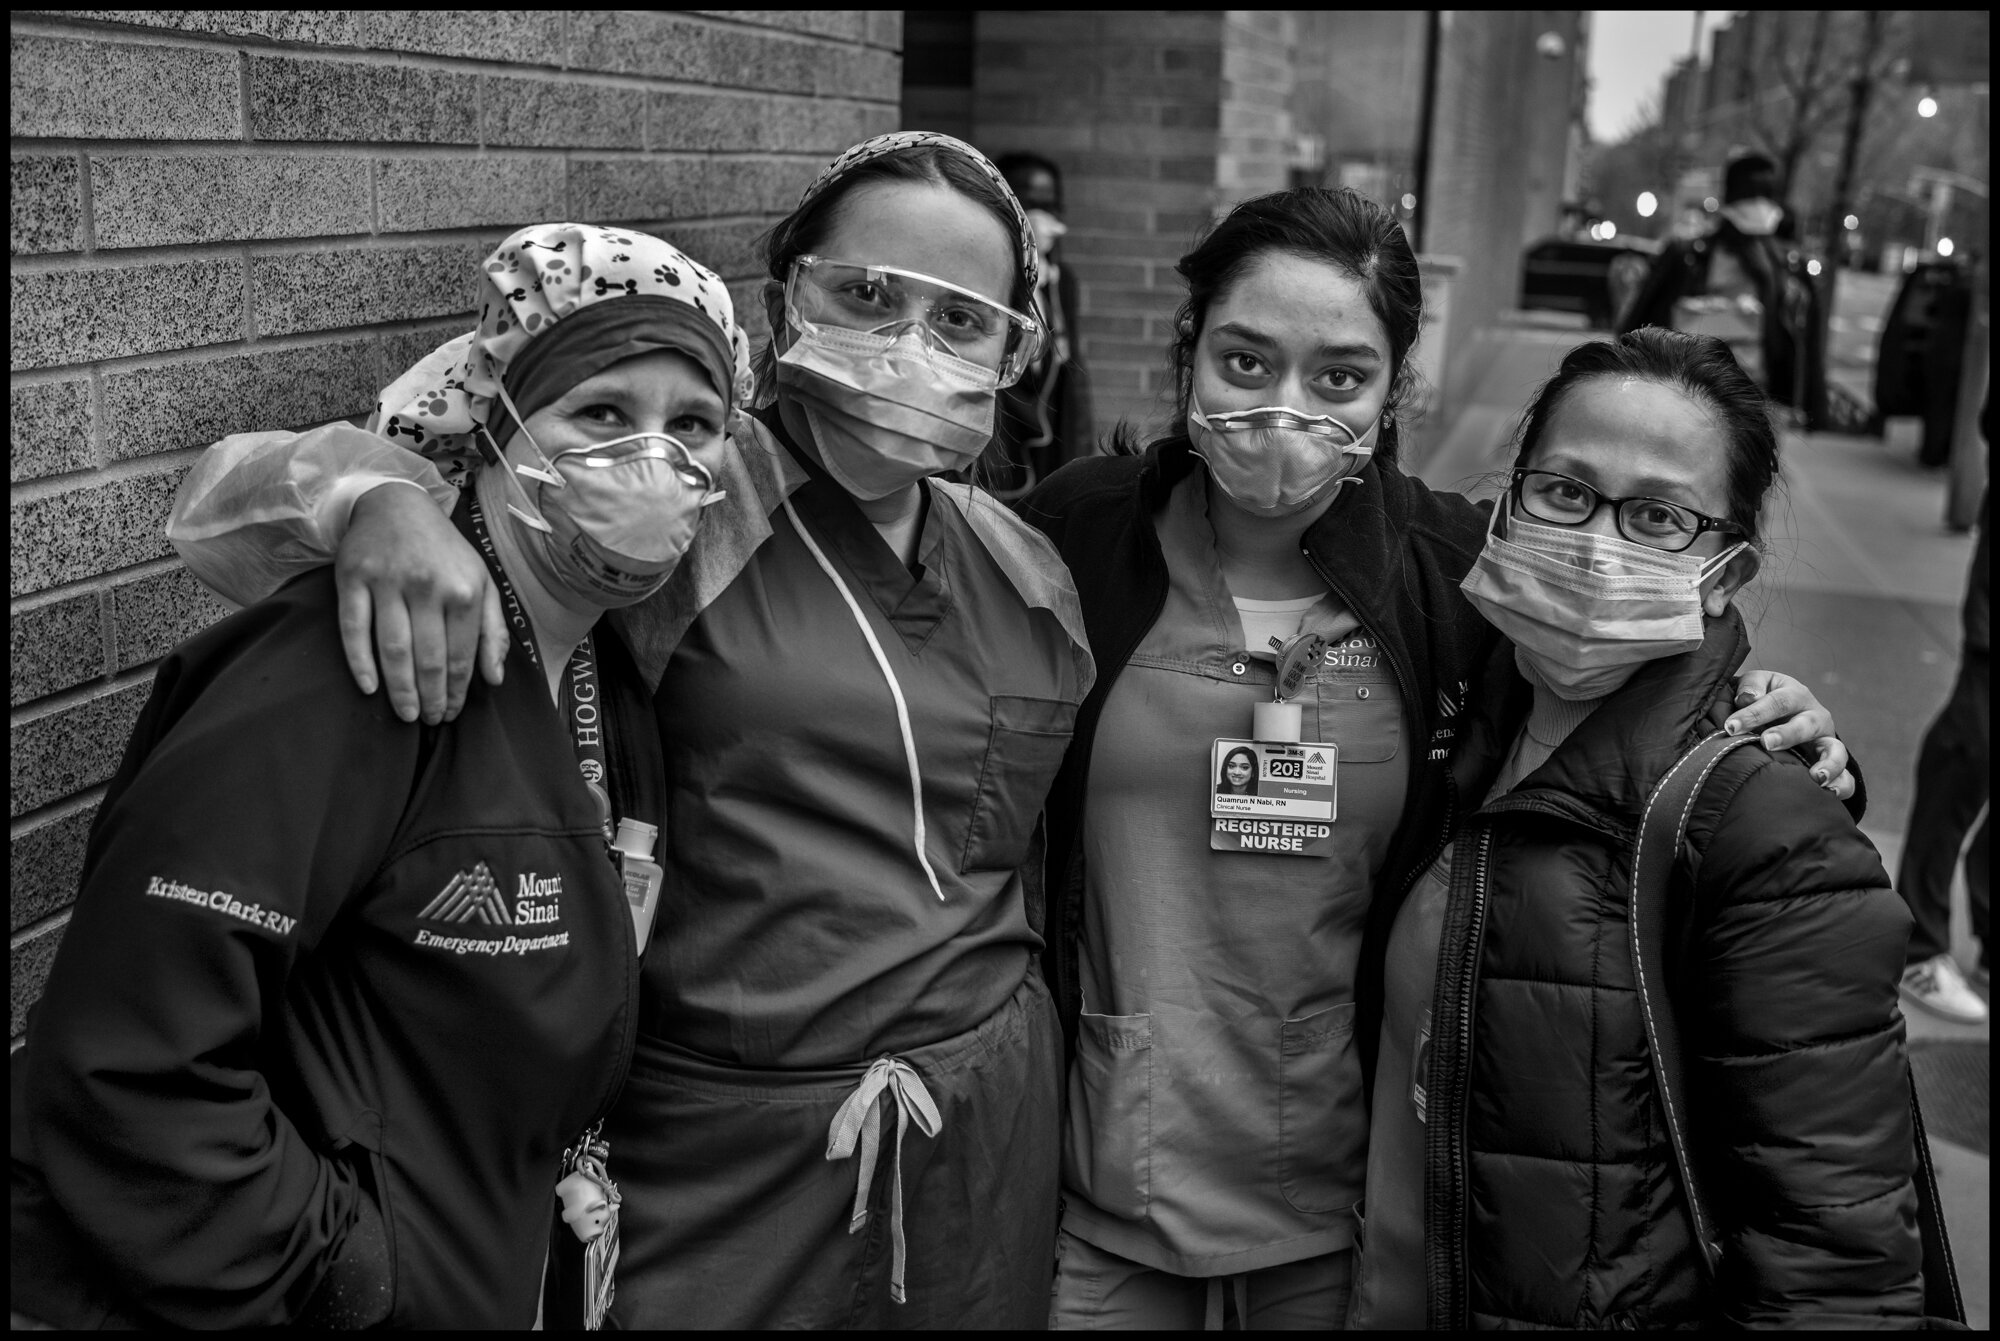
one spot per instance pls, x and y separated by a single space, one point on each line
1850 223
1648 202
1927 106
1611 231
1944 246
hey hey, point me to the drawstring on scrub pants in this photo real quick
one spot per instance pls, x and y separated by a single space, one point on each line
889 1076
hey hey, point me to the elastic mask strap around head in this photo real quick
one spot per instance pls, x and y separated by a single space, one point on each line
518 503
895 692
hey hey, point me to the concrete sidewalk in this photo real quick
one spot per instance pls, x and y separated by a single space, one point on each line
1860 598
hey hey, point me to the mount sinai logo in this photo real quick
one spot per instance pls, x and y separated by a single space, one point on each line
469 896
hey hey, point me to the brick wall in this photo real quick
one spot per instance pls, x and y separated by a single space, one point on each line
1129 104
1258 68
231 220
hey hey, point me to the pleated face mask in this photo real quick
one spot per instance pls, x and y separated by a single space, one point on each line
897 372
1587 610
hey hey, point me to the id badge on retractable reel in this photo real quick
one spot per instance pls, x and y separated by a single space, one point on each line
1277 794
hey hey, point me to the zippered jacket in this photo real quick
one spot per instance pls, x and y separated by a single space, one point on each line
1391 549
1552 1196
337 993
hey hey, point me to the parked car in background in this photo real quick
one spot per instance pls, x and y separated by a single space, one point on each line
1598 279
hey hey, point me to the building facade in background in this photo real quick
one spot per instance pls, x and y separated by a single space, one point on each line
234 220
1163 119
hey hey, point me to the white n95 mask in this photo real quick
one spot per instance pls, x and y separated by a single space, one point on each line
1275 459
614 517
1587 610
626 513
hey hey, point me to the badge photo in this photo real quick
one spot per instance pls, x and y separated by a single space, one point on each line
1273 796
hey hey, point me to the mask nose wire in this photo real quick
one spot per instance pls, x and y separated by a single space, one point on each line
895 692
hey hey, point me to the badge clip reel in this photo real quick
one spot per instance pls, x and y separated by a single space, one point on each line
1281 719
1277 794
643 876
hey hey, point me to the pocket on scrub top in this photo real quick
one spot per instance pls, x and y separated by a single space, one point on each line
1024 747
1322 1131
1365 719
1108 1146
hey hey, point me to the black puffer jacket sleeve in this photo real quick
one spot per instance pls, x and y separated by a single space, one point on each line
1799 1079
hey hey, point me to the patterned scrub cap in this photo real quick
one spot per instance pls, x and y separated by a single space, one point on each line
883 145
534 279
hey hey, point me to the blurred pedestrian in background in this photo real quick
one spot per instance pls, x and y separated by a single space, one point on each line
1954 785
1922 359
1044 419
1745 284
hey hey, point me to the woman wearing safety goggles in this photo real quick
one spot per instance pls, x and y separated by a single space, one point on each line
844 1108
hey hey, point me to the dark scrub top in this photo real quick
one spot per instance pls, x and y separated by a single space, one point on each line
796 927
1216 1122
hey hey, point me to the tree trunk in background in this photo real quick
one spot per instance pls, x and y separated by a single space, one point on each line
1861 89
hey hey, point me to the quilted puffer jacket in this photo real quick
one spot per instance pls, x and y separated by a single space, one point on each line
1551 1193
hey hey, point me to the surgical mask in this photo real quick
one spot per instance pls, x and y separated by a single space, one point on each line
615 517
1275 459
887 409
1755 217
1587 610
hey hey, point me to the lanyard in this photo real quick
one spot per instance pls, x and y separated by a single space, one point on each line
581 705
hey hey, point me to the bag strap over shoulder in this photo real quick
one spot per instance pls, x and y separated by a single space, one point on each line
1662 830
1662 826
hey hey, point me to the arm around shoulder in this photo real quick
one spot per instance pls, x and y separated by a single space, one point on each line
1799 1076
260 508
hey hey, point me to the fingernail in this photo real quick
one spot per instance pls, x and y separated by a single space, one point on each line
1771 741
1733 727
1819 776
407 713
367 683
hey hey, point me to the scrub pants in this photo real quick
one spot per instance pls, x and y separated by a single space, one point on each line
1098 1290
733 1217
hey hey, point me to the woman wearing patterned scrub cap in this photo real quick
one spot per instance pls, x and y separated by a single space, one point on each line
845 1103
340 991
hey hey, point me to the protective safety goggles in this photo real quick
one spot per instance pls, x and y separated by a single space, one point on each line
885 301
597 456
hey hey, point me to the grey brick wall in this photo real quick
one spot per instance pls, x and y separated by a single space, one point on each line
224 220
1130 104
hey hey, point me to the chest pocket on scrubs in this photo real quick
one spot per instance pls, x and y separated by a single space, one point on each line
1024 747
1359 706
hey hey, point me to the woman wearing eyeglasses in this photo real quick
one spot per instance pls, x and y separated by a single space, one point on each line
844 1108
1521 1167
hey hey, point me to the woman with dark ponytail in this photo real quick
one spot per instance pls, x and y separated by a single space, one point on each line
1218 959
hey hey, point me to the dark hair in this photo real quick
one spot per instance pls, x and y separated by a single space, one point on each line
1699 365
1737 175
1341 228
1222 773
806 229
1017 165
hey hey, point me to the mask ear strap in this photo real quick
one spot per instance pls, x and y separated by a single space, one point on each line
1721 561
544 472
